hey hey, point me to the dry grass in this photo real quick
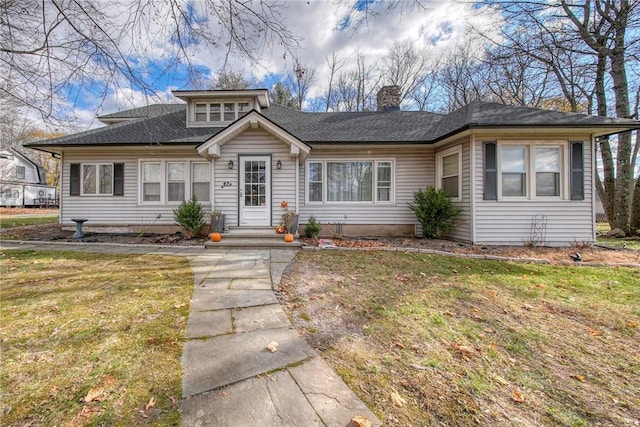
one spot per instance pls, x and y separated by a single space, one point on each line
428 340
92 339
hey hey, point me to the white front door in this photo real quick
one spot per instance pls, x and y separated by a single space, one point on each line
255 190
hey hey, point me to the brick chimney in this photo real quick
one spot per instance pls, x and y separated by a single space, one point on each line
388 98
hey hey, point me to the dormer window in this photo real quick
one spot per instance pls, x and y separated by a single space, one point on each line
217 112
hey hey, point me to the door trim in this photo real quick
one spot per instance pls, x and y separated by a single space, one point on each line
267 158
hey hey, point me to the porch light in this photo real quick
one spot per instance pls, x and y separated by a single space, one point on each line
230 164
279 164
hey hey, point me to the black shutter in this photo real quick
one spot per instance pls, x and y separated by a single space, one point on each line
118 179
577 170
490 191
74 179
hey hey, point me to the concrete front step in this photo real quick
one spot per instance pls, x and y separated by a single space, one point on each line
253 237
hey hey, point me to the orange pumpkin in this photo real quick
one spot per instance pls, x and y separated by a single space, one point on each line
216 237
288 237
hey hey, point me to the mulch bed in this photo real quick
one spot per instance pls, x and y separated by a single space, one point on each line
599 255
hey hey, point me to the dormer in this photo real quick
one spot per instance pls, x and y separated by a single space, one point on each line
219 108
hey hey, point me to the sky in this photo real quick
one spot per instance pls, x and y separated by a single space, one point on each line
322 26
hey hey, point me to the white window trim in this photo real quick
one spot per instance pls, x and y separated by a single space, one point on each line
439 170
188 182
530 185
97 165
374 189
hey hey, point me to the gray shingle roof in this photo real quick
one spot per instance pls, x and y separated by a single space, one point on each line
490 114
168 126
142 112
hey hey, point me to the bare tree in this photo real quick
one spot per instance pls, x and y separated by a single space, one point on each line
405 66
300 81
461 79
52 50
230 79
334 64
604 37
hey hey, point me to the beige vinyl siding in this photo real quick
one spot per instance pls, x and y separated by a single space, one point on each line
119 210
413 169
259 143
509 222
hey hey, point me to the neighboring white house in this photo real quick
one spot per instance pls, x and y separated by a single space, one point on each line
518 173
23 182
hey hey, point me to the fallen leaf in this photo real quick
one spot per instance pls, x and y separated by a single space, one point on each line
489 331
493 293
150 404
397 400
361 421
540 285
527 307
578 377
594 332
224 394
94 394
419 367
179 305
632 324
272 346
517 396
399 344
449 313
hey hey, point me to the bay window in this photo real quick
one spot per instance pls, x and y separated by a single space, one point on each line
360 181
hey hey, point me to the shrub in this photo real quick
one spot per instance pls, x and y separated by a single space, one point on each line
190 216
435 212
312 229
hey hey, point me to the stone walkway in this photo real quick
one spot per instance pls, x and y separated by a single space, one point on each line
230 378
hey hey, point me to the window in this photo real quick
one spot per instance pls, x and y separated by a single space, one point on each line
384 182
175 182
315 181
201 112
220 111
200 179
20 171
166 181
448 172
243 108
530 170
151 182
97 179
214 112
229 112
349 181
547 160
514 171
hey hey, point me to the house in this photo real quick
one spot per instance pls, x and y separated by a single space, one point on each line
519 174
23 182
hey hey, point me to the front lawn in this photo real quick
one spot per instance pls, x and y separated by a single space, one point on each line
92 339
10 222
431 340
